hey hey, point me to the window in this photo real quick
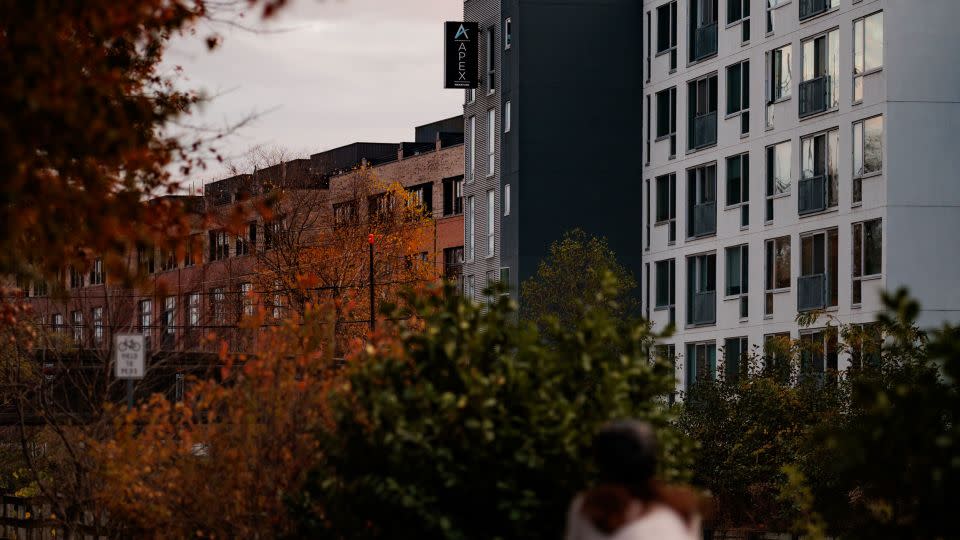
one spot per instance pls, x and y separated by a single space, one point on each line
702 97
702 201
866 345
57 321
168 321
219 245
867 152
778 174
821 73
738 276
506 117
191 245
491 221
667 204
867 254
470 226
667 32
735 356
505 279
668 353
506 199
703 29
777 259
701 363
453 196
666 286
776 355
779 70
771 6
380 206
646 156
345 213
97 316
491 140
507 33
738 11
491 60
649 47
145 259
817 283
76 318
471 95
738 93
817 188
422 196
168 260
471 147
738 185
811 8
276 306
97 275
702 289
867 50
667 117
646 212
193 309
470 287
452 262
76 278
818 354
146 315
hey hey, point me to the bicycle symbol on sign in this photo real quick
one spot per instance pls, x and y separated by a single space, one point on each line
131 345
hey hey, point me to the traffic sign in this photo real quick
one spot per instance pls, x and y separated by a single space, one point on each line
130 356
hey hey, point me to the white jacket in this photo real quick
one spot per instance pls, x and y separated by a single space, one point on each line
657 523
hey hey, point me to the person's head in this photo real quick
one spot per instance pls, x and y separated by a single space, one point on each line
625 452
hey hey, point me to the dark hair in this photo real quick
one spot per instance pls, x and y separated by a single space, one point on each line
625 453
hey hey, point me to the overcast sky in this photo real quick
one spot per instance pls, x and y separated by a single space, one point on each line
331 72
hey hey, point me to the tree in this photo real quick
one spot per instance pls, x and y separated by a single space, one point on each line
569 277
463 422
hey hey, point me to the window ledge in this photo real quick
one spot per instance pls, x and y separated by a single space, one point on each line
817 115
664 52
820 213
692 63
818 15
778 291
869 72
662 138
781 195
732 24
871 277
733 297
735 205
870 175
692 151
733 114
662 308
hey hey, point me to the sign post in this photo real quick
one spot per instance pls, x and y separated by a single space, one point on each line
461 49
129 361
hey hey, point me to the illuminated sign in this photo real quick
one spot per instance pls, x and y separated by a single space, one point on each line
461 52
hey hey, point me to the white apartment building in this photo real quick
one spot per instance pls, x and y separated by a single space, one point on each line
798 155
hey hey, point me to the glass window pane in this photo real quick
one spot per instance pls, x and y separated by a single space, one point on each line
857 249
858 46
873 145
833 52
734 85
858 149
872 245
783 262
873 46
809 56
781 168
733 271
733 180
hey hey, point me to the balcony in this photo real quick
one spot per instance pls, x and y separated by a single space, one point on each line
704 42
704 308
704 131
812 194
811 8
704 219
811 292
815 96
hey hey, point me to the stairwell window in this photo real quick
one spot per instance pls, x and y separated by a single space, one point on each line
667 204
821 74
471 147
491 60
738 186
506 117
507 34
817 189
491 140
469 226
867 50
778 175
867 153
867 255
777 265
506 199
491 221
738 94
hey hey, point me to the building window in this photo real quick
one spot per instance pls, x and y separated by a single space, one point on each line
649 47
738 185
193 243
703 29
702 201
818 354
452 262
702 97
506 199
491 221
701 363
646 156
817 188
702 289
168 260
97 275
776 355
738 11
219 245
345 213
76 318
97 316
738 276
738 93
667 117
218 307
777 264
666 287
778 174
817 282
778 73
57 321
470 226
193 309
246 299
507 33
146 315
867 50
821 74
867 152
471 95
422 196
470 288
812 8
491 60
145 259
667 32
667 204
867 254
471 147
453 196
76 278
491 140
506 117
866 345
735 358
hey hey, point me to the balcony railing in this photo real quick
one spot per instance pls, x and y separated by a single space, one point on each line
704 219
815 96
704 308
809 8
812 194
704 42
704 130
811 292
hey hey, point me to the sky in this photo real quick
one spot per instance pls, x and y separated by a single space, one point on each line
322 74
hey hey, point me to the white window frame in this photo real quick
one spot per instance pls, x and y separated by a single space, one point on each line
470 226
506 199
193 309
146 315
506 117
97 316
170 309
860 69
472 150
491 222
857 281
859 139
491 141
776 193
76 320
491 60
507 34
246 300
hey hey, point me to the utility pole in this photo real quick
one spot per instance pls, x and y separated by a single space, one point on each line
373 320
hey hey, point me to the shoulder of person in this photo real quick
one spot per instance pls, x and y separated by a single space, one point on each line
659 523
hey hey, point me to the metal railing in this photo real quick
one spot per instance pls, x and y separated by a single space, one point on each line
704 308
811 292
704 42
704 130
812 194
815 96
704 219
809 8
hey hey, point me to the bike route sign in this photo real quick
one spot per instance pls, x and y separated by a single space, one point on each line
131 349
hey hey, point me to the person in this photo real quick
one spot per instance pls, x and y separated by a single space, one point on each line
628 502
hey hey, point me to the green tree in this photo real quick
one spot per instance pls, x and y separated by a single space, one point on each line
472 424
569 278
